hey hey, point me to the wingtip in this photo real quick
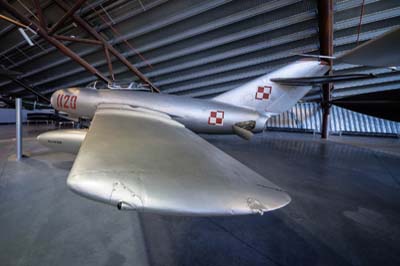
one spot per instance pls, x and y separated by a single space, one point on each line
280 201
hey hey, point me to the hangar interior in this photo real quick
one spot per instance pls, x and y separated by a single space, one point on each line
345 207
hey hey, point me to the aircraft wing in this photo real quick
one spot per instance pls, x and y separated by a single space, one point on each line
143 160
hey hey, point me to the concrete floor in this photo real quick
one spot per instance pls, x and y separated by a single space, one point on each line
345 210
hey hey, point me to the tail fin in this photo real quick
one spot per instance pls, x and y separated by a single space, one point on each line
264 95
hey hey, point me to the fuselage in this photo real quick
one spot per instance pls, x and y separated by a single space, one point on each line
199 115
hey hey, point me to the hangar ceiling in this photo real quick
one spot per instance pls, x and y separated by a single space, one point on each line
197 48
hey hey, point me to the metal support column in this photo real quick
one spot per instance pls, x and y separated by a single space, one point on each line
18 125
325 15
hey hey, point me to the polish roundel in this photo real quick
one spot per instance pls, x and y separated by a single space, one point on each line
263 92
216 118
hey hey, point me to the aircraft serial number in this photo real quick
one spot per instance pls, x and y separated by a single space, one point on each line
66 101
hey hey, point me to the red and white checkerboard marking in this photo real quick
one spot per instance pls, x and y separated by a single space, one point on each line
216 118
263 92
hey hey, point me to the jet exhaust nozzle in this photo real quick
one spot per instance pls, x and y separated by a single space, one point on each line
243 129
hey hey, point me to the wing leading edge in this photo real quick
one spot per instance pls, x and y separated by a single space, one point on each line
143 160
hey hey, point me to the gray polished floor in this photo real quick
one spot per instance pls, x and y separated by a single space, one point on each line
345 210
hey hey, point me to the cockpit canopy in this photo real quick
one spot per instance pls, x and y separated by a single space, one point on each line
118 85
97 85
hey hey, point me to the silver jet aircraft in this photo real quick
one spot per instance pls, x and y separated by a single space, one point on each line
141 151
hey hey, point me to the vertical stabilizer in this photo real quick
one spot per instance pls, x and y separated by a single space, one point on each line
266 96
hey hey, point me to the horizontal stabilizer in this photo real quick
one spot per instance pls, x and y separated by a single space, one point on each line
380 52
320 80
315 56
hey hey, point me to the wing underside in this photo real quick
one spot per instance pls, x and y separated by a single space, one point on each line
143 160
